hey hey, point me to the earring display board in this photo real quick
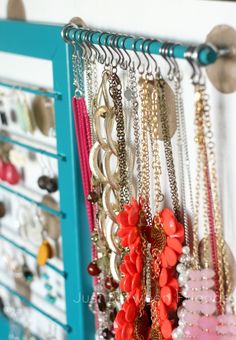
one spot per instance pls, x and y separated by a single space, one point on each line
44 42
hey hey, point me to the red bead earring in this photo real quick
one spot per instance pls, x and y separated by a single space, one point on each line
12 175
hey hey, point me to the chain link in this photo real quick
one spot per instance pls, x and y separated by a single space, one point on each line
168 146
144 93
115 90
136 123
215 240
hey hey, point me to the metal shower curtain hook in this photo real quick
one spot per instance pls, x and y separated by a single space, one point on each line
94 48
81 43
88 46
151 56
176 69
148 57
65 31
127 63
109 62
141 71
164 51
191 56
103 59
115 48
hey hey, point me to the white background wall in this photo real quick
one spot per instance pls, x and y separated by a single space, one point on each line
188 21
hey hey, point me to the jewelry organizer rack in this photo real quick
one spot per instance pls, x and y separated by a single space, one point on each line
90 43
44 42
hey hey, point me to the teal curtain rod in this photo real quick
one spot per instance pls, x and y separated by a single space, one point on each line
28 303
206 54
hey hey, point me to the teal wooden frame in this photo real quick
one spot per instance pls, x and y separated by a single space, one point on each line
44 41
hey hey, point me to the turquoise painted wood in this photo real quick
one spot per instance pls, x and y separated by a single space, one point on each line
4 328
44 41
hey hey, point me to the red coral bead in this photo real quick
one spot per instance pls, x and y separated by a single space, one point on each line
133 256
123 269
170 256
130 267
163 278
122 281
166 328
174 283
135 245
124 231
139 263
164 261
127 283
131 311
127 331
124 241
93 269
118 334
138 295
174 244
169 221
179 233
162 311
132 236
166 295
136 282
122 218
120 318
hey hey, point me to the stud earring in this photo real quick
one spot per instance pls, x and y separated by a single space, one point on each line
2 210
52 185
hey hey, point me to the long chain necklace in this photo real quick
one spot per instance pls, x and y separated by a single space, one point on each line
136 123
115 90
161 84
200 139
184 160
144 152
164 249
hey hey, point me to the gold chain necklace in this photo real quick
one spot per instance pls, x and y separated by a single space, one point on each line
168 146
115 89
144 152
212 216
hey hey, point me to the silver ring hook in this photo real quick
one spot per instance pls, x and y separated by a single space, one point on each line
127 63
176 69
164 53
123 62
65 31
95 49
107 61
145 50
103 59
115 48
87 46
190 58
152 57
81 43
